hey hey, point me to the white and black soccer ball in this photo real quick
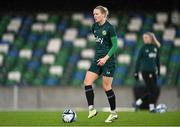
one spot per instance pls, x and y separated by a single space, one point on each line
161 108
69 116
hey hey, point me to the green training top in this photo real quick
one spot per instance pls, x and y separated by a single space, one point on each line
148 58
106 39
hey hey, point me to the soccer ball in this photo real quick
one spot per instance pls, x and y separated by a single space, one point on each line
161 108
69 116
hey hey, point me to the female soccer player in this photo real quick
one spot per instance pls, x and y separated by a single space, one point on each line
148 63
103 63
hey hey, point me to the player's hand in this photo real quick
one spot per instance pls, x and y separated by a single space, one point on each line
102 61
136 76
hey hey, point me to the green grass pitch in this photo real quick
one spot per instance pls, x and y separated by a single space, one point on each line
53 118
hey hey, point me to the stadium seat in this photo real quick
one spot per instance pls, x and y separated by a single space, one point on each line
48 59
124 58
177 42
49 27
4 48
16 76
83 64
158 27
56 70
113 20
88 53
135 24
161 17
9 37
70 34
42 17
37 27
54 45
25 53
14 25
169 34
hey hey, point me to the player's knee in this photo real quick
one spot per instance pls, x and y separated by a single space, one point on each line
106 86
87 82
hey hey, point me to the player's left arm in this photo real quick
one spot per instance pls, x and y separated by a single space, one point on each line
114 46
158 63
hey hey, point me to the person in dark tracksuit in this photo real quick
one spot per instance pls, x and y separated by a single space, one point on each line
148 64
103 63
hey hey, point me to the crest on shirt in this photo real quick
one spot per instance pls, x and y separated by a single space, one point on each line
104 32
147 50
155 49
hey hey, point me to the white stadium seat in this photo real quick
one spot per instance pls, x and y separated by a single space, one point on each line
124 58
158 26
90 37
14 25
54 45
25 53
177 42
88 53
48 59
83 64
4 48
120 42
56 70
78 16
135 24
113 21
14 75
39 27
169 34
87 22
50 27
163 70
42 17
131 37
161 17
70 34
80 42
9 37
175 17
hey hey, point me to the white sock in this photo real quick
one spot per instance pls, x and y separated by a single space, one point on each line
151 107
113 112
91 107
139 102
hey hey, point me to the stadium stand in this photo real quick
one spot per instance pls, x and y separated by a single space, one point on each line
49 49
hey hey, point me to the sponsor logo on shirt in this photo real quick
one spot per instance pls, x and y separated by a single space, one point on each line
108 72
152 55
155 49
97 39
147 50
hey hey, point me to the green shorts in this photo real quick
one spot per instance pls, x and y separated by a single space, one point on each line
107 70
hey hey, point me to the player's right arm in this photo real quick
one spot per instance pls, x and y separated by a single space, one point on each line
138 63
158 63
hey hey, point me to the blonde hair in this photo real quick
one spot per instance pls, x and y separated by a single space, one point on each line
103 10
154 39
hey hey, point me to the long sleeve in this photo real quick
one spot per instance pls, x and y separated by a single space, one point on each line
114 46
158 62
138 61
